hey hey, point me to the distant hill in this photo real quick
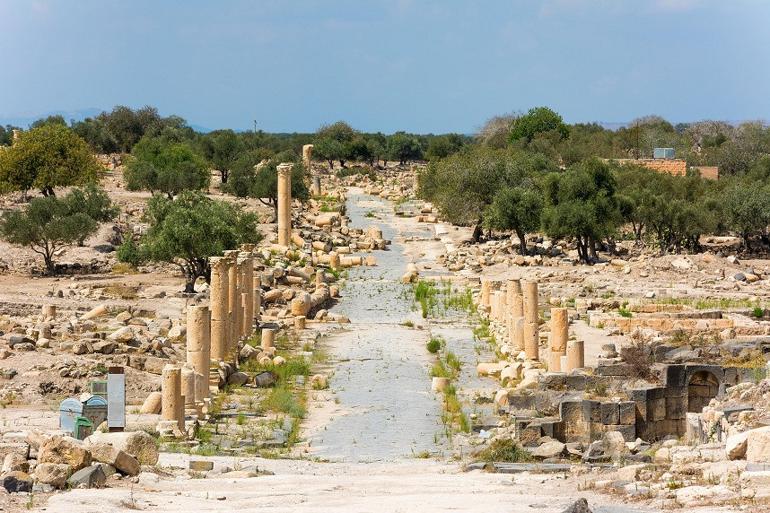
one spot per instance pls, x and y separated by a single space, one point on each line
25 121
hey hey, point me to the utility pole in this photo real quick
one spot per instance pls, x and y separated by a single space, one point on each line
255 126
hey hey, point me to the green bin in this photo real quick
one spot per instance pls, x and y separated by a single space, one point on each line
83 428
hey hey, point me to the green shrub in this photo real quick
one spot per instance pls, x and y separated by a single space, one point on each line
434 345
129 252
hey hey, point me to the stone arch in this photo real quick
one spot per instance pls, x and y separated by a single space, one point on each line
702 387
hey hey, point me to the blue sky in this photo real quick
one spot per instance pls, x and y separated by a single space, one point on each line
417 65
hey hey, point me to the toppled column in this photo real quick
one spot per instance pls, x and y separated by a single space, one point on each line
172 406
199 348
220 328
531 335
559 336
516 305
575 355
284 204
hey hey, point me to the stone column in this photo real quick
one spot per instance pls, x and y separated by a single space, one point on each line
171 389
531 335
284 204
188 386
16 136
516 311
334 260
49 312
559 335
316 187
575 355
233 304
219 301
199 348
307 156
299 322
268 338
248 290
257 297
486 289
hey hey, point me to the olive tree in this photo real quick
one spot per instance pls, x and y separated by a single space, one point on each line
161 165
46 157
48 224
189 229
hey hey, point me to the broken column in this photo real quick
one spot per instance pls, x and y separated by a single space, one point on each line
16 136
172 406
531 335
199 348
284 204
307 156
268 338
575 355
219 300
49 312
559 335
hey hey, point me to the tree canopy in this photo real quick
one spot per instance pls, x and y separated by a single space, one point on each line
189 229
46 157
160 165
49 223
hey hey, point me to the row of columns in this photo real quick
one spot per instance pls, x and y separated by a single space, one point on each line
517 309
213 333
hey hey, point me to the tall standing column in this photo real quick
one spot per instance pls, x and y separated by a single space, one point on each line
531 336
559 335
219 307
257 298
233 304
284 204
199 348
516 305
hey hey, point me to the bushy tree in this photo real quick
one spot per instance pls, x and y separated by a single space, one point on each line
189 229
747 209
404 147
581 204
49 223
463 185
222 148
442 146
536 121
333 142
46 157
158 165
518 209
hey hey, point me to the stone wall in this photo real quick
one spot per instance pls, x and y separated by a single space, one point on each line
708 172
675 167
